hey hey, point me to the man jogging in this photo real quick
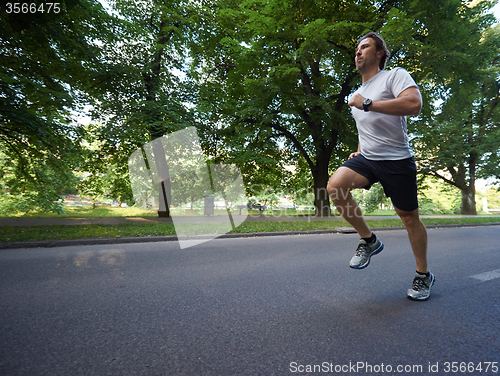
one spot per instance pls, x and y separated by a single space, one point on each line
380 107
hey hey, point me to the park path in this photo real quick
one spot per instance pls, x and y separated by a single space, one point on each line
27 221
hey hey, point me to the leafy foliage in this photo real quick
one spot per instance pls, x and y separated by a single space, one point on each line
266 83
145 96
281 71
461 142
47 62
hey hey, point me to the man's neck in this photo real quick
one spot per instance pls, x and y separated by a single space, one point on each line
367 75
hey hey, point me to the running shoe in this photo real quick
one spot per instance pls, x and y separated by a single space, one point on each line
421 288
364 252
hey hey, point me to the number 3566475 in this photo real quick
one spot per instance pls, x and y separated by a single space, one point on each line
33 8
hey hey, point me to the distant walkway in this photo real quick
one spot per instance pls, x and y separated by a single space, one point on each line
26 221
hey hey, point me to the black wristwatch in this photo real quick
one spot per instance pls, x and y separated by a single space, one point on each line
366 103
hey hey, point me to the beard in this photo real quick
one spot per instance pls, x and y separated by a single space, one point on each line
365 63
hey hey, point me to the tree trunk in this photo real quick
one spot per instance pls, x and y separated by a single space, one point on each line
321 198
469 193
151 82
163 172
469 200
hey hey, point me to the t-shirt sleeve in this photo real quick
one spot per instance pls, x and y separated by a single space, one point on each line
400 81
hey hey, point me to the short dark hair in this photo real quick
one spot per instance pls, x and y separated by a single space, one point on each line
380 45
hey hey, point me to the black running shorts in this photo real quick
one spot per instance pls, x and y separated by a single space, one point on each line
398 178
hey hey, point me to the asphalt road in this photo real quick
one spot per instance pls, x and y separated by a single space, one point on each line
285 305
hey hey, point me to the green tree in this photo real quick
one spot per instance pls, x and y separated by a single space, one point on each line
278 73
47 62
461 142
103 174
148 94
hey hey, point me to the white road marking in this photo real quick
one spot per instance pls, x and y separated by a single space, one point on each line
487 276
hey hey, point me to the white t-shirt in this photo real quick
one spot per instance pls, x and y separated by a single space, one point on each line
383 137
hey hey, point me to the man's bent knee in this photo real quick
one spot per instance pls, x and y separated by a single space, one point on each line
337 193
409 218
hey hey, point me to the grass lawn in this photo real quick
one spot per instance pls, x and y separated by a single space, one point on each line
62 232
88 212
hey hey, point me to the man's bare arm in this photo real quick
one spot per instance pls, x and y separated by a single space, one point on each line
354 155
408 103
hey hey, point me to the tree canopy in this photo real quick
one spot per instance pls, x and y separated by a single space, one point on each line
460 142
49 65
266 83
277 74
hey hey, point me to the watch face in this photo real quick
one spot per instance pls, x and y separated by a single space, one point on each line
366 102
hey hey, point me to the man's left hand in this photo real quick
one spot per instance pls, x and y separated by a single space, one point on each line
357 101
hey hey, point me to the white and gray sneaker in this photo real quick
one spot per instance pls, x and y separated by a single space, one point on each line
364 252
421 288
